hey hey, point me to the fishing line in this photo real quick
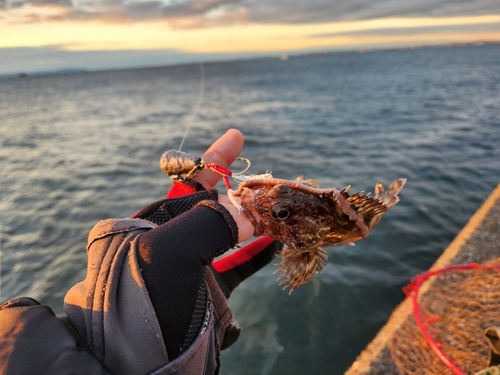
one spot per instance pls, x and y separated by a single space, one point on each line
195 112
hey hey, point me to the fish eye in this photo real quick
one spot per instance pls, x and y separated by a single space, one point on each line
280 212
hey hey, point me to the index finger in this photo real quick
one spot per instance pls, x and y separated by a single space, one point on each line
222 152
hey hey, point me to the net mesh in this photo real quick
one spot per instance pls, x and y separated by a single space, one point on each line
452 316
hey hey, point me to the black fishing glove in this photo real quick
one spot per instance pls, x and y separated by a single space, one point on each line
193 229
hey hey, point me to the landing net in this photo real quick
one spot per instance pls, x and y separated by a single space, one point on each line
446 333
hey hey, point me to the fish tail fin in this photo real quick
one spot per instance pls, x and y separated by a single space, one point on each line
390 197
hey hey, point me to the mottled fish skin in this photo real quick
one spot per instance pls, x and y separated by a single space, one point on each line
298 213
307 218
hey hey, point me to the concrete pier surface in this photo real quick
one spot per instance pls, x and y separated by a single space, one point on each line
478 242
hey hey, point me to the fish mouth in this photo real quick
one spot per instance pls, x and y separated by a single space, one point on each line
246 199
255 219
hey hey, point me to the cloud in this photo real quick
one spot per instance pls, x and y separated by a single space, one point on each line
205 13
188 13
64 3
314 11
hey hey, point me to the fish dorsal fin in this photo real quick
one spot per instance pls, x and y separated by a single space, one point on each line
345 191
372 209
366 206
309 182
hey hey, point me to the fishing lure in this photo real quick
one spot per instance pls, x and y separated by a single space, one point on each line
181 166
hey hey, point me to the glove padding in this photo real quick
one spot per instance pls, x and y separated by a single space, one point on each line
165 210
231 270
193 228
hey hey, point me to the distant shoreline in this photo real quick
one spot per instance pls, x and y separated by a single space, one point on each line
279 55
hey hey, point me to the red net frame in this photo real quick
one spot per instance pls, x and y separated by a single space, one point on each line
424 322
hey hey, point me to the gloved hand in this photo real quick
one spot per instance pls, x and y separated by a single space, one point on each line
195 226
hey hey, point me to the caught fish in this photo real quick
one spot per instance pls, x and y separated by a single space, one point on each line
298 213
307 218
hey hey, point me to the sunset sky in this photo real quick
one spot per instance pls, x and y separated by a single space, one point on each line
41 35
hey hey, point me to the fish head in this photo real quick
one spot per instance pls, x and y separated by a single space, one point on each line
292 216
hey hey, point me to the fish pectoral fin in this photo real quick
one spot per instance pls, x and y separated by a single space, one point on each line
350 207
369 209
312 233
300 265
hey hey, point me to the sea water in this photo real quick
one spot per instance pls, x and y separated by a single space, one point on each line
79 148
